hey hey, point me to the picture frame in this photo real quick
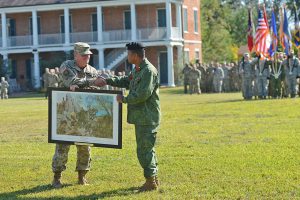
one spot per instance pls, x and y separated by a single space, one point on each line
85 117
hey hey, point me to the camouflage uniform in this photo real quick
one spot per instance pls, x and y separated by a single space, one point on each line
291 67
276 79
186 80
71 74
143 111
4 88
53 79
195 76
247 70
218 79
262 74
226 80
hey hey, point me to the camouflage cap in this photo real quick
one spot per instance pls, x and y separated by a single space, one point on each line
82 48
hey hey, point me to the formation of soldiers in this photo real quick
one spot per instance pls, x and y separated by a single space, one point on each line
258 78
209 78
4 88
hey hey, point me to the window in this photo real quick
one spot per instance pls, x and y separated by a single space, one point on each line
195 20
62 23
186 56
38 24
94 22
185 20
12 69
127 19
161 18
11 24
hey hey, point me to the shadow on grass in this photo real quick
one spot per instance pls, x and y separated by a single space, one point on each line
28 95
48 187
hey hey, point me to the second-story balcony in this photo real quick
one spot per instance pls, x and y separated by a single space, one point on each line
111 36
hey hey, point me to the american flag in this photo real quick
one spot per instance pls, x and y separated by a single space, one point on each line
262 36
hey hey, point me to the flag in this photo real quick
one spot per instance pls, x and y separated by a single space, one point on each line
262 36
250 31
297 29
274 36
287 34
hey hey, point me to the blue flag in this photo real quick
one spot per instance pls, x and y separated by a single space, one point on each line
274 36
297 29
287 34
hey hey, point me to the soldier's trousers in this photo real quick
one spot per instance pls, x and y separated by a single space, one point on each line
195 87
60 157
262 86
247 88
276 87
218 85
4 94
186 88
292 86
145 140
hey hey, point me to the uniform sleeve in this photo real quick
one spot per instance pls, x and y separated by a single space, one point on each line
70 78
144 89
117 81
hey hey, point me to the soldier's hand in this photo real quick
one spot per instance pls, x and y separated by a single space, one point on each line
100 82
120 98
73 87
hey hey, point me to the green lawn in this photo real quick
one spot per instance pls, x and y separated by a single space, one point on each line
210 146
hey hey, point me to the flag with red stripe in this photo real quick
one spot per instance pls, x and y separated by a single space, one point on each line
262 36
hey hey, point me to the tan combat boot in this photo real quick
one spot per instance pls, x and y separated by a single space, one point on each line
149 185
56 183
157 181
81 177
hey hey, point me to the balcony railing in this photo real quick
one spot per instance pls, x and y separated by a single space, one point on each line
14 41
146 34
151 34
47 39
83 37
116 35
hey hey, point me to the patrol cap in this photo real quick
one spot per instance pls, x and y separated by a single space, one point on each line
134 46
82 48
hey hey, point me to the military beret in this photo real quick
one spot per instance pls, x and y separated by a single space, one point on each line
134 46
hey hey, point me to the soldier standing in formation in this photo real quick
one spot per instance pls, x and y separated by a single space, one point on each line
195 76
4 88
53 79
143 108
46 82
262 74
247 70
277 77
291 65
218 78
75 73
186 72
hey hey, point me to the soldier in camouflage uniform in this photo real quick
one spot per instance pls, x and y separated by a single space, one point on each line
186 81
195 77
226 80
218 78
143 108
4 88
291 66
53 79
75 73
46 81
277 77
247 70
262 74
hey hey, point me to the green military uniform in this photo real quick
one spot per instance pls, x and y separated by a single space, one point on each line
71 74
143 111
277 80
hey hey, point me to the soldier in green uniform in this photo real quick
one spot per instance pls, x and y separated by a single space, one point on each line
75 73
143 108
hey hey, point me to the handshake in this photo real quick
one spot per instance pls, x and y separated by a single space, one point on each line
100 82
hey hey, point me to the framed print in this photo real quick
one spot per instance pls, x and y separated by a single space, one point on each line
85 117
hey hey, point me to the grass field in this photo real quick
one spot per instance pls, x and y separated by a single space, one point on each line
210 146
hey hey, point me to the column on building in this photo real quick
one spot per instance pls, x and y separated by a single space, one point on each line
67 26
99 24
35 29
101 58
36 82
169 19
133 22
180 56
171 82
178 19
4 32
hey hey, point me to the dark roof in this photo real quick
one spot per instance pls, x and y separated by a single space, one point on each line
18 3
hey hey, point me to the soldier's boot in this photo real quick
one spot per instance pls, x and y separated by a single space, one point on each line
149 185
56 183
82 177
157 181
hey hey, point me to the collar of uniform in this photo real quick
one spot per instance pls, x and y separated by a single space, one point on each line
77 67
143 63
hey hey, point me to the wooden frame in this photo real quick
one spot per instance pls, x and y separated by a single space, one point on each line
85 117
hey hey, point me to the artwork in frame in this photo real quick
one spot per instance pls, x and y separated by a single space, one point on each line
85 117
